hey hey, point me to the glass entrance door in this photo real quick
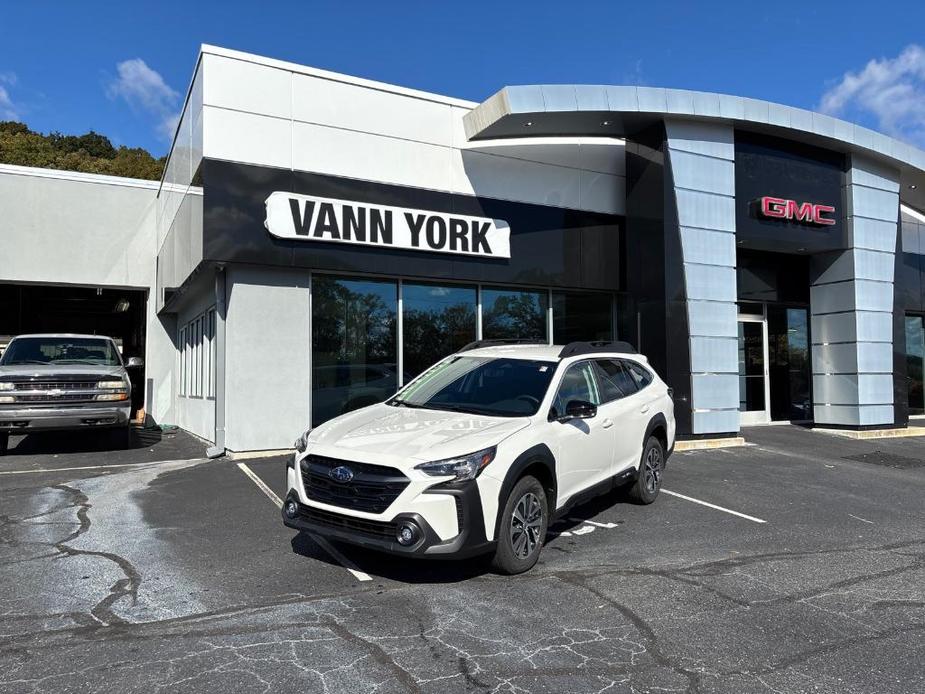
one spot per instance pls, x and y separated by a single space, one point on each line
753 371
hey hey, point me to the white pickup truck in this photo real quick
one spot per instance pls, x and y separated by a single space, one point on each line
62 381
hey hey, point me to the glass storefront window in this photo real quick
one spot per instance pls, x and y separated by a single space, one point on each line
436 321
511 314
581 316
915 356
354 351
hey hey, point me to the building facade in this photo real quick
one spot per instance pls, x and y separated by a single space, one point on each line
318 240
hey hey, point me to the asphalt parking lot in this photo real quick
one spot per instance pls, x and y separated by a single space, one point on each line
796 564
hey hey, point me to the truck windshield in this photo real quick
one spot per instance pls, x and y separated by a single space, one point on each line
61 350
480 385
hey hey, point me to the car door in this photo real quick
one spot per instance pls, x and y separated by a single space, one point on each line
614 387
583 447
631 414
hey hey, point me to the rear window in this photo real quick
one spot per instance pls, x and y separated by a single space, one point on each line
641 376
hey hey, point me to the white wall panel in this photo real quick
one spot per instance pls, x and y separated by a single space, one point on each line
514 179
268 323
352 107
246 137
245 86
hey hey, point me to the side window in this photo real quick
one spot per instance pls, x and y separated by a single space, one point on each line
578 383
619 375
606 371
641 376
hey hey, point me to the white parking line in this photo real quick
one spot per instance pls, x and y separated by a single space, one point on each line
713 506
320 541
863 520
93 467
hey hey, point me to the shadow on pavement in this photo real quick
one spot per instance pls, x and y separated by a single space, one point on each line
432 570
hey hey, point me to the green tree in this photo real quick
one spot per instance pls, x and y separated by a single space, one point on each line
89 153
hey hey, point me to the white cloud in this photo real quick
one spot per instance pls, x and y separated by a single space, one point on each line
8 110
144 90
892 90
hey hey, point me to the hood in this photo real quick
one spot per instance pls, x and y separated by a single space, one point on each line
63 371
382 431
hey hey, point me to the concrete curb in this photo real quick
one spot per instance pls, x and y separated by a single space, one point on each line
709 444
873 433
249 455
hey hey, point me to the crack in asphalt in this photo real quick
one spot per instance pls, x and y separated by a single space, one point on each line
124 587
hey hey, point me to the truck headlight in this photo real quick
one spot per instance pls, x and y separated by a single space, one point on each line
112 396
111 385
7 386
464 467
6 399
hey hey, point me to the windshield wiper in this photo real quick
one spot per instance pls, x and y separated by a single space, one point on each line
404 403
27 361
78 361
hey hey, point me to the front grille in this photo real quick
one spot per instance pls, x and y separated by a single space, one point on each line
55 385
359 525
66 397
372 489
56 391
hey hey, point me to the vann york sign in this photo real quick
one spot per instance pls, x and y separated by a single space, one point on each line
310 218
803 212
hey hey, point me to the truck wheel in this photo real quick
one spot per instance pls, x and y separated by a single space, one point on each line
522 528
4 443
649 480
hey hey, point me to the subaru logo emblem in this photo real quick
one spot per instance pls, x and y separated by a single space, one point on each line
341 474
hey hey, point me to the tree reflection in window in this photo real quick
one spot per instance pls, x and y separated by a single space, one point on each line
508 314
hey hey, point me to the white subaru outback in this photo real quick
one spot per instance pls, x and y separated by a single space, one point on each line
480 452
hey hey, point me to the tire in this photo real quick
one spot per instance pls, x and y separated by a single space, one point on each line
649 480
4 443
518 551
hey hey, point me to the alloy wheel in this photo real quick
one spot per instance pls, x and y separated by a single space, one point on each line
653 470
526 525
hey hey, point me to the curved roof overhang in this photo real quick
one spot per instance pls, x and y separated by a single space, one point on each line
622 112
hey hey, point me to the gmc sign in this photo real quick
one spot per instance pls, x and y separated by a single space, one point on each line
805 212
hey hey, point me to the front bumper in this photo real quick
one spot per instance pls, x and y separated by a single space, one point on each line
25 420
382 535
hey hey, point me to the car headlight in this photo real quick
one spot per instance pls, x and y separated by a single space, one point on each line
301 443
464 467
111 385
7 386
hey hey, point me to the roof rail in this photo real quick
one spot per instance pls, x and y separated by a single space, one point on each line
574 349
496 343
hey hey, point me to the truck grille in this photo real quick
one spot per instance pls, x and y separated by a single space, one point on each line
38 392
372 489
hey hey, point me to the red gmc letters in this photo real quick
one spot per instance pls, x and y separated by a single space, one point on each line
808 212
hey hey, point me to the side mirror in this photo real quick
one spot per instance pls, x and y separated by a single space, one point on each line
134 362
578 409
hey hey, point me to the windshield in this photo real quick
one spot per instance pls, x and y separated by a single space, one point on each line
480 385
61 350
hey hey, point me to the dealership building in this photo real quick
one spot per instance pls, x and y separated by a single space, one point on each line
318 239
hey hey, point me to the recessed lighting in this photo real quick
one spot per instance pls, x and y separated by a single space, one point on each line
528 123
912 187
606 122
801 249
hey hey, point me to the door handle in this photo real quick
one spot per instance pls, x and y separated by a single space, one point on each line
607 423
644 409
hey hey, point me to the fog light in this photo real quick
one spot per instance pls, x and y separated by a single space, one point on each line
407 533
292 509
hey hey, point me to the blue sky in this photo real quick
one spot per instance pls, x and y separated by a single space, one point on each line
123 68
